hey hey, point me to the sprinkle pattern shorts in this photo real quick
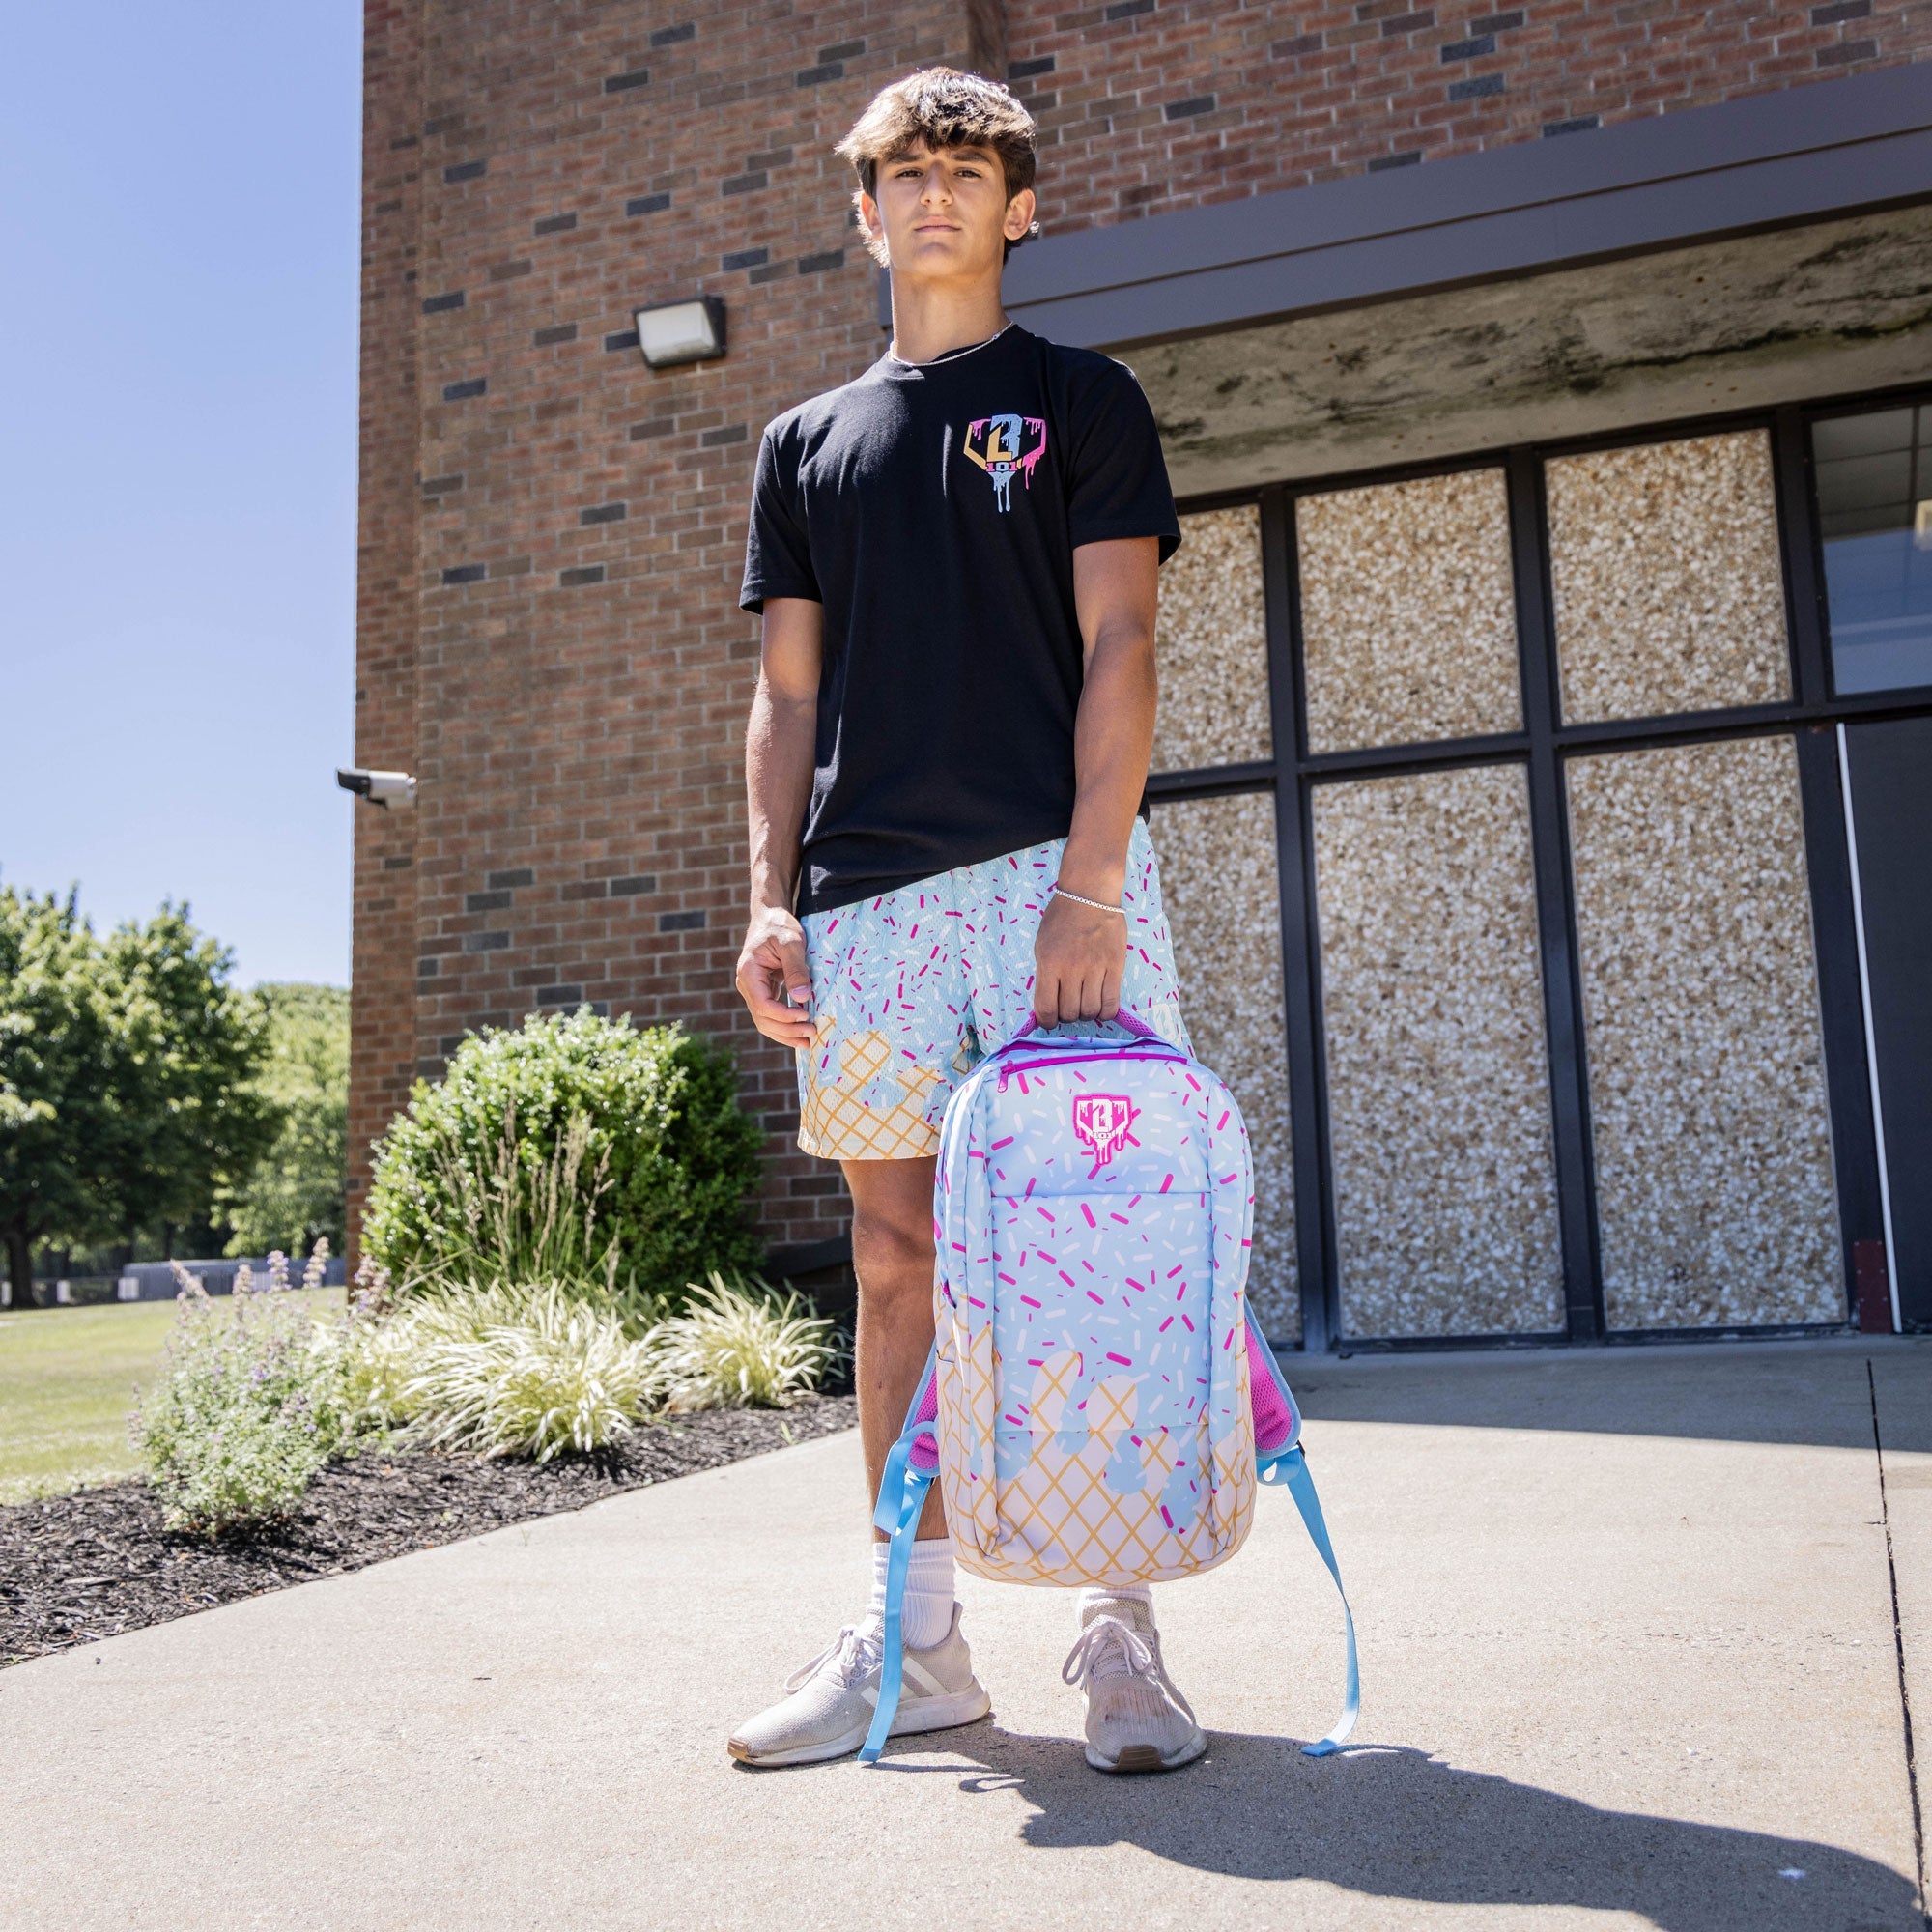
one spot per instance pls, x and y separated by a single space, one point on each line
911 989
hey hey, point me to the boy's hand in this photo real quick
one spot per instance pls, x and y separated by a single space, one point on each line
1078 957
771 965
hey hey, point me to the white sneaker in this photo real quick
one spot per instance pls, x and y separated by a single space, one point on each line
833 1698
1136 1719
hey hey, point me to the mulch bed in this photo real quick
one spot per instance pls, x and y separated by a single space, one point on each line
97 1562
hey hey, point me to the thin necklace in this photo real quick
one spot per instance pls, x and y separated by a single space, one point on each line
949 354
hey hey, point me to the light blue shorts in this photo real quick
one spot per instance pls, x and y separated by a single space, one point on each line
909 990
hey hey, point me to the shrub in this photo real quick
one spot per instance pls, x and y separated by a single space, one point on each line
576 1150
523 1372
251 1402
739 1347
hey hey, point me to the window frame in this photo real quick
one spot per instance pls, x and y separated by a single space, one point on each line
1810 717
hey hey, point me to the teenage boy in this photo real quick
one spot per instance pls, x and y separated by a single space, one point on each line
956 558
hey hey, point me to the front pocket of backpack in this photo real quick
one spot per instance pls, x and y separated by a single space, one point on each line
1102 1461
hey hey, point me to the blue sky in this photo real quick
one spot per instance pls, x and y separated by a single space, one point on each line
177 220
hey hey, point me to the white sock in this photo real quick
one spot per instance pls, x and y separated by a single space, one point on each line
925 1614
1124 1593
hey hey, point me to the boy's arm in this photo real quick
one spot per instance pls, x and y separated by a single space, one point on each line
780 751
1079 953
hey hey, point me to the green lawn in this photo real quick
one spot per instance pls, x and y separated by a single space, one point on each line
67 1382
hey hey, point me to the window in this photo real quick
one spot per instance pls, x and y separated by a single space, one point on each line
1874 474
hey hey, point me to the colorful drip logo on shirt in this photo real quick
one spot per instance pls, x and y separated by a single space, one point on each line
1103 1123
1003 444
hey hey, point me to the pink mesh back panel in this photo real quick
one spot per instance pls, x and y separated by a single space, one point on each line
1274 1421
925 1454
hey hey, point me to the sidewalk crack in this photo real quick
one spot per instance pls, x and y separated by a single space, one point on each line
1898 1647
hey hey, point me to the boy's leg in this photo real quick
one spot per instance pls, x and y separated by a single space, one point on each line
1136 1719
831 1703
893 1257
890 1043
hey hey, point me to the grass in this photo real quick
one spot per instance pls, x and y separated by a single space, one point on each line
67 1383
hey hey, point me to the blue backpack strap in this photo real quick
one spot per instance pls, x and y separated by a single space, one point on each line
901 1503
1291 1467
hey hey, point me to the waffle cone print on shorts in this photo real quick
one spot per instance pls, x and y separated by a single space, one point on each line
908 988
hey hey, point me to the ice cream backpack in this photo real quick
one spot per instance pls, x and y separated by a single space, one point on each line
1099 1405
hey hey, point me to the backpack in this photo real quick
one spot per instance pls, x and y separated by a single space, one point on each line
1099 1404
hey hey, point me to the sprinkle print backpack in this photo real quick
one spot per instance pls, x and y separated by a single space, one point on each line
1099 1405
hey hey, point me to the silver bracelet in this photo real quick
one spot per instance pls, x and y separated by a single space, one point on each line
1096 904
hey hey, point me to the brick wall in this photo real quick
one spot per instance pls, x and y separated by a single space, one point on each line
382 966
1147 105
552 534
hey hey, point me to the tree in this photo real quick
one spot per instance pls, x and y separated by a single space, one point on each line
127 1073
63 1135
297 1191
193 1052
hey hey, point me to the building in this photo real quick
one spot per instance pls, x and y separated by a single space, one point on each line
1545 767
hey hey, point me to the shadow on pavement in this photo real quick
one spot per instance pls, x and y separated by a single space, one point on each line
1392 1823
1813 1393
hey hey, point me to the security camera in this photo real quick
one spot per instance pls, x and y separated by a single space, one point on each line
383 789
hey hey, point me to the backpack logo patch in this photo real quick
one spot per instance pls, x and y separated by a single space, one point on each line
1003 446
1104 1124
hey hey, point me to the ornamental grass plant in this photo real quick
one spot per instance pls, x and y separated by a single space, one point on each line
509 1370
739 1347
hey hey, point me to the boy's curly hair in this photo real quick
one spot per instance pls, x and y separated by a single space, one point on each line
944 109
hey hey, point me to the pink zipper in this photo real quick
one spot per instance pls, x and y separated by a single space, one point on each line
1077 1059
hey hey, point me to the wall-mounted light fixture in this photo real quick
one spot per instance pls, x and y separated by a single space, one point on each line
686 332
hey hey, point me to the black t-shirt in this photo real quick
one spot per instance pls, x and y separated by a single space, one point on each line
933 510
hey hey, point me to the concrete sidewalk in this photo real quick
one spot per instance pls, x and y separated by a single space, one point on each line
1628 1649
